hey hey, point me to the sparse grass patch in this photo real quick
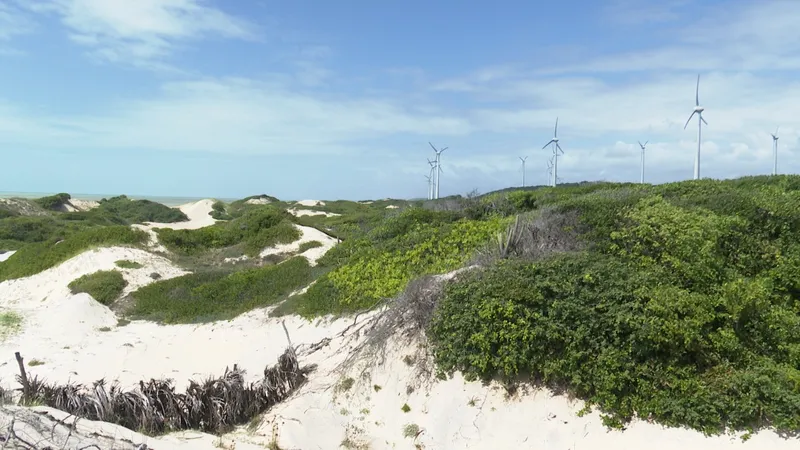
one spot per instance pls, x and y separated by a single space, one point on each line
208 296
10 323
104 329
411 430
127 264
405 408
35 362
308 245
104 286
346 384
377 388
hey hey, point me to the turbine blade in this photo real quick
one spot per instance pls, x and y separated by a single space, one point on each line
697 92
645 142
640 144
776 130
690 118
704 120
434 148
548 143
442 150
555 132
559 148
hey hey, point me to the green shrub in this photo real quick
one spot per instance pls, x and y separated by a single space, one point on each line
212 296
34 258
368 270
308 245
620 338
256 229
104 286
138 211
53 202
127 264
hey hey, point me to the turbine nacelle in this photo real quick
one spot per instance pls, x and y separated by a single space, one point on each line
699 109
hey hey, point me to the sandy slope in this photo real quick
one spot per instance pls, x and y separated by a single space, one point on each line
6 255
307 234
309 212
198 213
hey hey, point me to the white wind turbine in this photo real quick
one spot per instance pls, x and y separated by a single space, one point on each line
550 171
641 178
556 149
431 179
775 151
438 172
523 169
700 121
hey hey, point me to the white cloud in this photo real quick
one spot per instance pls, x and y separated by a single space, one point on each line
235 116
142 32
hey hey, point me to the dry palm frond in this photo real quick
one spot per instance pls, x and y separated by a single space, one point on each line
154 407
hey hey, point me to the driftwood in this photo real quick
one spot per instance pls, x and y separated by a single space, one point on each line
214 406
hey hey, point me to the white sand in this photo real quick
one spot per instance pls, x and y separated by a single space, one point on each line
83 205
6 255
198 213
307 234
392 207
258 201
309 212
310 203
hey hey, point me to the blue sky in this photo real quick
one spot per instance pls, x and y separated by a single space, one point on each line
320 99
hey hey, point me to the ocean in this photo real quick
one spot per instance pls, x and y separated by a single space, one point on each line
169 201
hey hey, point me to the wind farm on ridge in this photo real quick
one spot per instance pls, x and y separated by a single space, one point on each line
552 162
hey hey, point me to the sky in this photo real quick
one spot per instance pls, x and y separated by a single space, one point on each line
320 99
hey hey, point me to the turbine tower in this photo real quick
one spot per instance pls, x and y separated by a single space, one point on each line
641 177
523 169
556 150
438 172
700 121
431 178
775 152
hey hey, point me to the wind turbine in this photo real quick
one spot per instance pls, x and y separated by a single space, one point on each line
431 179
523 169
700 121
775 151
438 172
556 149
428 177
550 171
641 178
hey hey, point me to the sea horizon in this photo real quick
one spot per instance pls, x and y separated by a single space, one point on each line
163 199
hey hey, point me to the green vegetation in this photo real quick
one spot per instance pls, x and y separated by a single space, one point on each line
218 211
308 245
104 286
254 230
36 257
212 296
138 211
683 304
380 264
53 202
10 323
127 264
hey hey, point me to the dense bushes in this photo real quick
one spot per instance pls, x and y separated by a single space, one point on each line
217 295
255 230
104 286
53 202
36 257
139 211
380 264
683 307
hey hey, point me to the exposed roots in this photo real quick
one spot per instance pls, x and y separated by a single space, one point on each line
213 406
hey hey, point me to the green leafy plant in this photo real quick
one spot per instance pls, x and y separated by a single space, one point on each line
127 264
104 286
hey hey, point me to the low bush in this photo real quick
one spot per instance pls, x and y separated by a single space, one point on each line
212 296
104 286
127 264
53 202
367 270
256 230
308 245
138 211
34 258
